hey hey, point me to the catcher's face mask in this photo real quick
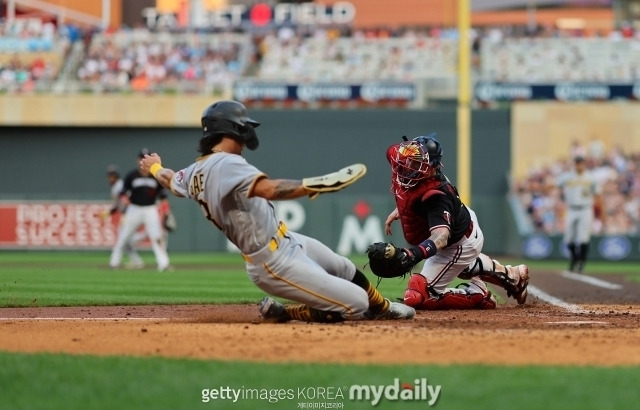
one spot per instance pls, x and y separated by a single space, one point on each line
410 164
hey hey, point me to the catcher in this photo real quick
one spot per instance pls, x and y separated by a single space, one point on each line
236 197
442 230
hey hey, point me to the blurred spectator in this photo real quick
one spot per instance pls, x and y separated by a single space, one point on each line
619 177
139 60
31 52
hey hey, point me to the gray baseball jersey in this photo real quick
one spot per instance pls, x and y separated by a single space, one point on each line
578 191
280 262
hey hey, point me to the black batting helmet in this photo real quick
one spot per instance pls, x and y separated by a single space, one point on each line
232 119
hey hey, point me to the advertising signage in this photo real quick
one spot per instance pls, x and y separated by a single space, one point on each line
495 91
368 92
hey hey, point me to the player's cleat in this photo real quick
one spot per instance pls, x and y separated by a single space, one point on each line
271 310
167 268
396 311
520 272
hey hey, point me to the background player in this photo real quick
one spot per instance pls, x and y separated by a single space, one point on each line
140 193
115 184
236 197
580 192
445 232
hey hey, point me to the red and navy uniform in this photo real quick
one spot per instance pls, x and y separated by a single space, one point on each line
431 204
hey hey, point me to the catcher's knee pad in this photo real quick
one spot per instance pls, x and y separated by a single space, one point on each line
416 292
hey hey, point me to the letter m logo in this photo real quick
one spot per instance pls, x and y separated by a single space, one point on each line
355 238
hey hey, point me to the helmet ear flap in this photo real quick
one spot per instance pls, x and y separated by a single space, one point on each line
250 137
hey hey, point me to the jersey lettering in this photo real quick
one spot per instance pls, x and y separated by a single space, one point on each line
197 185
144 182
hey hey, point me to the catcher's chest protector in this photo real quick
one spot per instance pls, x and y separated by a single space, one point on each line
414 226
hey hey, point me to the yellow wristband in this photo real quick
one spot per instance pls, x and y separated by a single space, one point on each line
153 170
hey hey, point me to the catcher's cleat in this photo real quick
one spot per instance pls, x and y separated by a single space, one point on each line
520 272
396 311
272 310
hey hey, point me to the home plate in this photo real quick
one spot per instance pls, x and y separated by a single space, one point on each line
577 322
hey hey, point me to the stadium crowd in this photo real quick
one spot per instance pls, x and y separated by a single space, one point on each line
30 55
618 176
137 59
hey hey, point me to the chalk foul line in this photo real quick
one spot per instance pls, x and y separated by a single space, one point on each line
540 294
590 280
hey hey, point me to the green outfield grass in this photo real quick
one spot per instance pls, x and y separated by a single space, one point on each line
39 382
30 279
48 381
84 278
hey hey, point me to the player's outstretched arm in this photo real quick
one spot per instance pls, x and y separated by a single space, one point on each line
164 175
274 189
279 189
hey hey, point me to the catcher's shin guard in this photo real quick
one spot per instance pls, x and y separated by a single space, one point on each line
463 300
417 296
513 279
417 292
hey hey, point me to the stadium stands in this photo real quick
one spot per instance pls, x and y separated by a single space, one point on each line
326 57
31 55
139 60
538 60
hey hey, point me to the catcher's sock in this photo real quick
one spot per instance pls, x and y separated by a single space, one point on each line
307 314
377 303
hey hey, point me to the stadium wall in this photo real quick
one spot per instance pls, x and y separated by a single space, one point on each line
544 131
69 163
94 110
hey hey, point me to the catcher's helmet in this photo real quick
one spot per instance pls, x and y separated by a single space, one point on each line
230 118
416 159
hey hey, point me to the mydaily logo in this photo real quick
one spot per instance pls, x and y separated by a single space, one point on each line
421 390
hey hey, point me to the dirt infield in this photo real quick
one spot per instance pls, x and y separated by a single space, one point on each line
581 324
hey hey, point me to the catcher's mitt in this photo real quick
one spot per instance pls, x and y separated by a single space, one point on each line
334 181
387 261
